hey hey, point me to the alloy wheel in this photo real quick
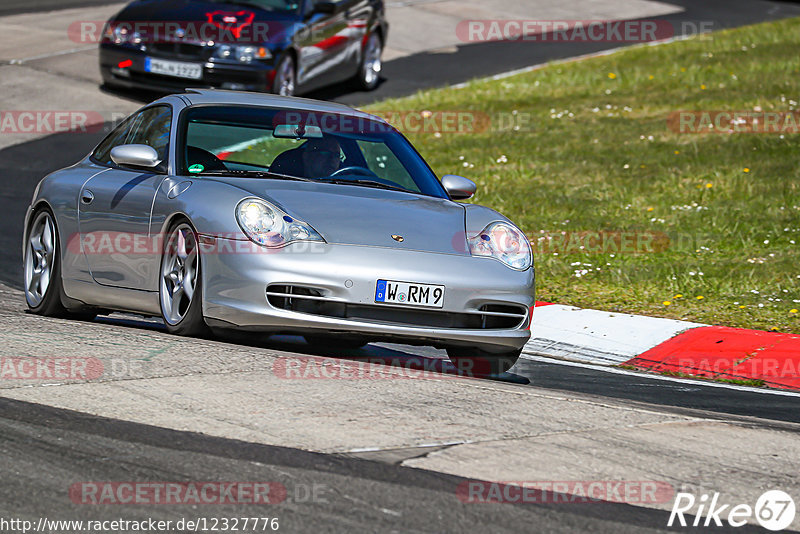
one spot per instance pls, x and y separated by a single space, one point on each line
284 79
372 66
179 267
40 257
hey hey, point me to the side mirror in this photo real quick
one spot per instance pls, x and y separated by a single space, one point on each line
326 7
458 187
142 156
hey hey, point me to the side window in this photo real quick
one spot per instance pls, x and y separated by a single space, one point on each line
150 127
117 137
153 130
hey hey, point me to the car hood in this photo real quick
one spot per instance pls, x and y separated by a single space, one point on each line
357 215
192 15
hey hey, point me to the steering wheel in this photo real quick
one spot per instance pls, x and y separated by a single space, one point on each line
355 169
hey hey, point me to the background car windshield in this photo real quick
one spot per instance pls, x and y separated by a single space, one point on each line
311 145
269 5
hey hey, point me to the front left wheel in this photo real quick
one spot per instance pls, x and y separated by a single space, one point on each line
180 287
42 268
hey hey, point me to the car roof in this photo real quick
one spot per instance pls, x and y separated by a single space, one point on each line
226 97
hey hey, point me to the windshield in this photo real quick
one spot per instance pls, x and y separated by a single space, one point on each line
270 143
269 5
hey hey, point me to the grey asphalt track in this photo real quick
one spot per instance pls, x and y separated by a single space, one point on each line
15 7
49 450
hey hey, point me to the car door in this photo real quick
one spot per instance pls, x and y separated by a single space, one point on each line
326 44
115 207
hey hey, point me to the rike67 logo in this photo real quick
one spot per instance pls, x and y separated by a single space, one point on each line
774 510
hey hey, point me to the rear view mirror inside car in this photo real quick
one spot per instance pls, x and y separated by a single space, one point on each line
297 131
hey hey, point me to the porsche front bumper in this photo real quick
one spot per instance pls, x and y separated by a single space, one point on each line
323 288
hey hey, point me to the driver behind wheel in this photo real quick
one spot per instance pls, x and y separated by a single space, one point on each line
321 157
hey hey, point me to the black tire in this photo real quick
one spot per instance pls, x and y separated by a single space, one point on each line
477 362
336 342
285 82
369 70
46 301
180 317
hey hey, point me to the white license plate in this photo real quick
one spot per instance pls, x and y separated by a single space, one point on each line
178 69
408 293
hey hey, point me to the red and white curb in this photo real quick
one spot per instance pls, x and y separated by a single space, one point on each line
664 345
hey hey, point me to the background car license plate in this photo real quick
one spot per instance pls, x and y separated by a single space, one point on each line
425 295
173 68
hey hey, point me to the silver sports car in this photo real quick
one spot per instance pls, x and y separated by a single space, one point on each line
220 209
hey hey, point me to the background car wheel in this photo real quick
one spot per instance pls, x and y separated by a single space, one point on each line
335 342
371 64
180 287
285 77
42 269
477 362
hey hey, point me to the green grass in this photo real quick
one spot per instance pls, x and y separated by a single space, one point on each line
600 157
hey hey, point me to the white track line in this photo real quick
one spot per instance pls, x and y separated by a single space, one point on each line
598 337
52 54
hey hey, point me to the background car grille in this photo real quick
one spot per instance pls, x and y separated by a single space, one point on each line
312 301
180 49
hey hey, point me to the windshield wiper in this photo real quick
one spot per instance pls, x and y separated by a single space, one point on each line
363 183
254 174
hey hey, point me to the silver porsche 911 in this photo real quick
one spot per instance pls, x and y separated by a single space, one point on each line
220 209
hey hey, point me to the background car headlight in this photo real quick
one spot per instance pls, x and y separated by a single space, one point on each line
504 242
243 54
120 35
268 226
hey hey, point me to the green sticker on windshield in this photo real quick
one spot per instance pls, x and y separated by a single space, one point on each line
196 168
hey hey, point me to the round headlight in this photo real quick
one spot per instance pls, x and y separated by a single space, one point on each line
258 220
503 241
266 225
